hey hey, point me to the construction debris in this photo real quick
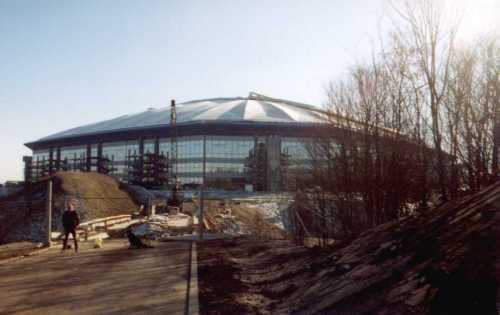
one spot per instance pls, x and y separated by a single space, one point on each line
237 218
160 228
273 211
149 230
226 223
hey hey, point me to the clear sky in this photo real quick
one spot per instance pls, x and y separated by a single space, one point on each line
68 63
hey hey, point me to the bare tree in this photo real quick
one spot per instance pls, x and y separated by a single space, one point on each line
417 124
433 47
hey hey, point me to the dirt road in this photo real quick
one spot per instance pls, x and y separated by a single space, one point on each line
111 280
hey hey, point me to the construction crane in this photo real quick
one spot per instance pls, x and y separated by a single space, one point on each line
173 141
175 199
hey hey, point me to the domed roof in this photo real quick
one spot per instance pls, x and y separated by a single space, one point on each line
254 108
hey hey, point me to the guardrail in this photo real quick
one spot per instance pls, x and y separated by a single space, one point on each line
90 226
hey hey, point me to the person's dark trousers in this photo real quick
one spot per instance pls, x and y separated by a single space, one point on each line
66 235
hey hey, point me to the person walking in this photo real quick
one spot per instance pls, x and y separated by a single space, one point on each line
70 221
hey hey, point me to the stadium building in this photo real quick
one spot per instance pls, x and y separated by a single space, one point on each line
234 143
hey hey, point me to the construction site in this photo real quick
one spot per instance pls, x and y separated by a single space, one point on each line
368 185
241 259
147 242
154 246
107 210
134 228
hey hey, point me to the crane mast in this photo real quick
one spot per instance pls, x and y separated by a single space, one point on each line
176 197
173 143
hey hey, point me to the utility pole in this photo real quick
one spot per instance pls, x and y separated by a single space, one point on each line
49 213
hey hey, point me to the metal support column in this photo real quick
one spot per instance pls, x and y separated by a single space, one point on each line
58 159
88 162
202 188
49 213
99 157
273 160
140 169
157 146
51 160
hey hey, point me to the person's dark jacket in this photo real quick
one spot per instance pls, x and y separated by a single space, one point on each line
70 220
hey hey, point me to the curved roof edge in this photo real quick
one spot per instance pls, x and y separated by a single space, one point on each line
254 110
256 107
244 128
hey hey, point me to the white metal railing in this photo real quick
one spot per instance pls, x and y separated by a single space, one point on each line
90 226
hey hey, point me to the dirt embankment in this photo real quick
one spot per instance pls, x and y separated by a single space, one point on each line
94 195
439 262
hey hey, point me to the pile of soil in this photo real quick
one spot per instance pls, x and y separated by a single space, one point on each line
439 262
96 195
22 215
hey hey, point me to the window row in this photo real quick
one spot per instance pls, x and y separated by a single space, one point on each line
211 167
229 148
187 148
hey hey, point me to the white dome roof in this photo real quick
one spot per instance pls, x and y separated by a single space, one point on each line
254 108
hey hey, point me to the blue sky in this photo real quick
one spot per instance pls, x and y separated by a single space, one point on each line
68 63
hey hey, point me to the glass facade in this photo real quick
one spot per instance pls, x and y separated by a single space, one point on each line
149 146
93 153
295 148
164 146
40 162
225 158
73 157
229 159
189 148
229 147
296 154
233 169
120 154
41 155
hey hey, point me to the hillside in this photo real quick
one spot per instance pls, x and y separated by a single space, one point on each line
94 196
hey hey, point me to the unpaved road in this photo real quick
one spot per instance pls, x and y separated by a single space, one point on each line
111 280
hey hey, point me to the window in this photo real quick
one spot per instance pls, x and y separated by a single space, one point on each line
73 157
149 146
229 147
295 148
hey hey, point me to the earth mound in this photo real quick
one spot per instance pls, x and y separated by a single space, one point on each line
94 195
